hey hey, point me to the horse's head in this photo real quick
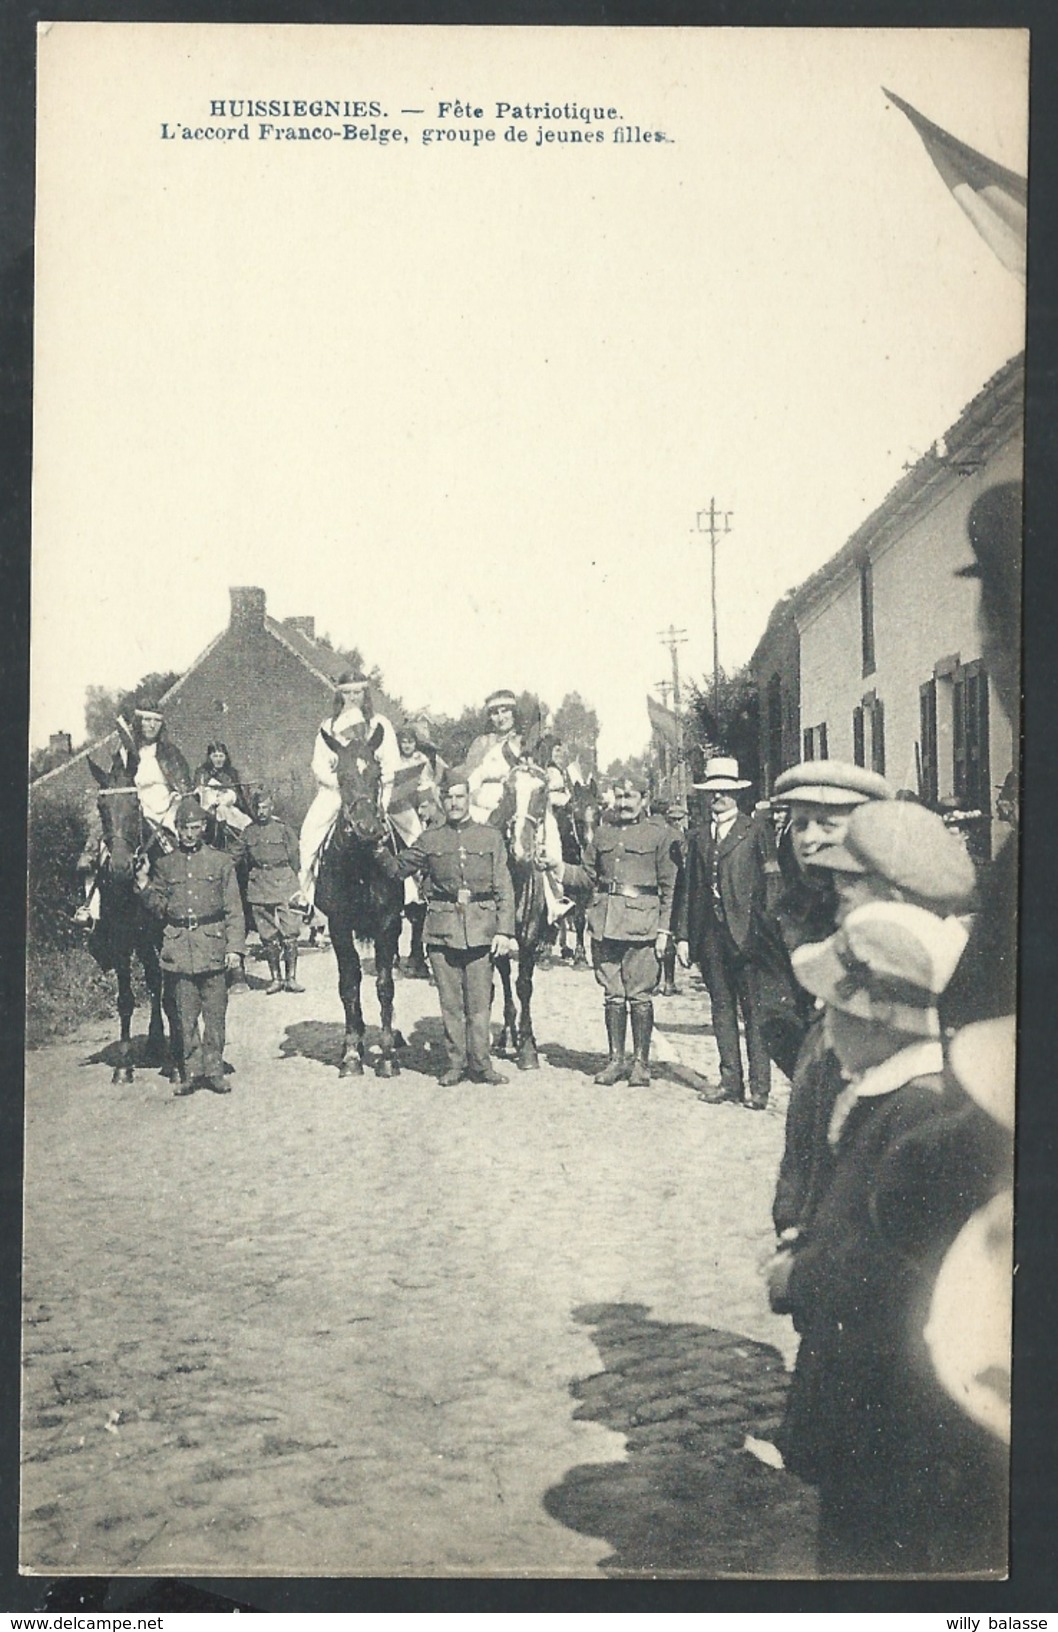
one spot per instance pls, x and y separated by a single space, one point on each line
360 784
119 812
527 806
586 804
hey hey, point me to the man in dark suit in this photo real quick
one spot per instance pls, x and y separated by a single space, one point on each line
723 925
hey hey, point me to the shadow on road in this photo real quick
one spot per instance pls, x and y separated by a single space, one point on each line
322 1040
689 1499
110 1054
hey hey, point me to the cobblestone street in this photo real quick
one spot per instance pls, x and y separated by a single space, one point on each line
333 1327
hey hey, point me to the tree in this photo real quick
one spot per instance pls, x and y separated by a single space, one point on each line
734 728
102 706
633 765
577 724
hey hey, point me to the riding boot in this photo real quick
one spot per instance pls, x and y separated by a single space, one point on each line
290 955
616 1027
642 1026
273 955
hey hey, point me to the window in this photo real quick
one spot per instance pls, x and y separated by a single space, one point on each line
928 758
859 756
815 742
867 616
878 736
970 738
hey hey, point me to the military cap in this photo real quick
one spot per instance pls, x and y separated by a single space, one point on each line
889 962
259 795
676 812
189 810
981 1058
631 779
994 528
830 782
909 847
455 776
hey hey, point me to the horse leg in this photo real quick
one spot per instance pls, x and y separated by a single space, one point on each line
527 1058
349 978
385 953
126 1005
509 1034
580 919
152 975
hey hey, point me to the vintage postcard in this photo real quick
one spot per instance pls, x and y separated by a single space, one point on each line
524 801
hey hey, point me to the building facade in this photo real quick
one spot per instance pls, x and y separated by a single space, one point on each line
877 657
262 687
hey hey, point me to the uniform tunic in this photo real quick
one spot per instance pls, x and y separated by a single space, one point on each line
196 895
466 881
269 851
632 874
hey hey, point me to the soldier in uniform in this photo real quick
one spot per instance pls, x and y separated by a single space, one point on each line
193 890
469 921
632 873
268 849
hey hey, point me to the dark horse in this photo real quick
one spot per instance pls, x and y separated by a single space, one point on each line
577 822
125 925
360 900
520 815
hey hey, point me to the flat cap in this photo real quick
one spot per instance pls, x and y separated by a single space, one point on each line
455 776
889 962
909 847
830 782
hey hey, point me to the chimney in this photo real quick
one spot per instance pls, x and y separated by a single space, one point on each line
247 608
60 747
301 626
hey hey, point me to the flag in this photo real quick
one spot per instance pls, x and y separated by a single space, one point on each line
995 199
662 722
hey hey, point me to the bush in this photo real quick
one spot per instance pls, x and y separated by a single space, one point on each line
56 837
64 988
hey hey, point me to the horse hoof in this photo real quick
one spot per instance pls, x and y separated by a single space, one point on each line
387 1068
528 1059
580 961
115 1075
129 1074
351 1068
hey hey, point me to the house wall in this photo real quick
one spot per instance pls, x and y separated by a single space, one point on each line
923 614
778 657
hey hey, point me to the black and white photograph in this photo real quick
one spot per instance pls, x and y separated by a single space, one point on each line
524 801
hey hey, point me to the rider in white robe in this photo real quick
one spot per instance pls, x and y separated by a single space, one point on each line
489 762
353 713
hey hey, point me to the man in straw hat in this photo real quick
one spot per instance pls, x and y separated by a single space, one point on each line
194 891
722 924
861 1422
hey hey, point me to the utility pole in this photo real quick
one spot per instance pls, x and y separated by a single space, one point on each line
674 638
717 523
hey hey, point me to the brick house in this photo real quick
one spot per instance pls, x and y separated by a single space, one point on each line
262 686
876 658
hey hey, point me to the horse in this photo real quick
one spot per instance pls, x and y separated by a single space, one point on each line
577 822
359 899
520 816
125 923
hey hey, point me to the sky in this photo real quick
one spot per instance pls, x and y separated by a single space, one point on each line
463 403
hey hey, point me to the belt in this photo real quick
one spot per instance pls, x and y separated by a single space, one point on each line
194 920
630 889
460 898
